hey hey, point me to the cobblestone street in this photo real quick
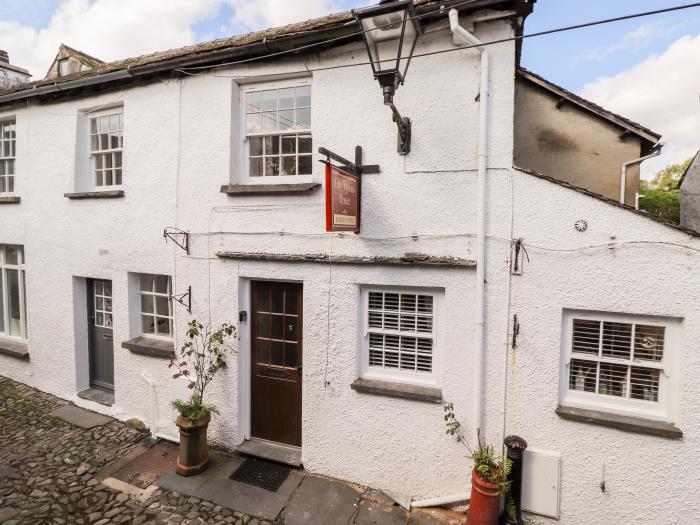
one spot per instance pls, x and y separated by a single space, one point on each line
48 468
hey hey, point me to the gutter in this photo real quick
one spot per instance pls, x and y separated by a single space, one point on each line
655 152
462 36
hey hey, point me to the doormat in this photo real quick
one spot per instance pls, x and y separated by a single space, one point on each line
268 476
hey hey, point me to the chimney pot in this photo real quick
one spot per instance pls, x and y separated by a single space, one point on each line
4 57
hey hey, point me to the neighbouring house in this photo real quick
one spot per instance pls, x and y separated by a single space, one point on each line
569 138
689 185
69 61
11 75
537 304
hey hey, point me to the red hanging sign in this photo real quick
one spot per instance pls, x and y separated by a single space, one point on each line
342 200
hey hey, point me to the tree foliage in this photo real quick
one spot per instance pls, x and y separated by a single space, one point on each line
660 196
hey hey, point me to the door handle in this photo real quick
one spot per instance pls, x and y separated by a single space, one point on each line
300 368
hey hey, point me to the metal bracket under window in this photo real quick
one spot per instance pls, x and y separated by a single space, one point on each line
185 299
179 237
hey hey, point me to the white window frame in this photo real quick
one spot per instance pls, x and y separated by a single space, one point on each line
245 177
664 408
90 115
4 295
153 314
397 375
10 159
60 62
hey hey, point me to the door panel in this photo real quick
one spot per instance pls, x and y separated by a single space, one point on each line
101 337
276 357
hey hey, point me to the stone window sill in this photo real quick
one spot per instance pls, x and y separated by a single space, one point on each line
10 199
246 190
634 424
401 390
151 347
111 194
16 349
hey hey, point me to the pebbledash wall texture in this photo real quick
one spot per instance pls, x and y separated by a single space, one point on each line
182 141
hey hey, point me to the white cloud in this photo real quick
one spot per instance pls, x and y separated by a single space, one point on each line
107 29
634 39
261 14
661 93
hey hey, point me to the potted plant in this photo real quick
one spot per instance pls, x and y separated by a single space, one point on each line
203 353
489 476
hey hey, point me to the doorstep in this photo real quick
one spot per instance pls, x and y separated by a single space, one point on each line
277 452
98 395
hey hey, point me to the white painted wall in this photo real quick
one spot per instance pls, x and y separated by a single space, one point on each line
181 143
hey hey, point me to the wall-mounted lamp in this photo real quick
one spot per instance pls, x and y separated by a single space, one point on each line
390 30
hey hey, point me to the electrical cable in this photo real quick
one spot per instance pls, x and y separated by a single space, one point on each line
431 53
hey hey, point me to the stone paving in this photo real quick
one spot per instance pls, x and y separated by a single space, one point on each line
49 474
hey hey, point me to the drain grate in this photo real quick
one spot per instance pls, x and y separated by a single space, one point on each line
268 476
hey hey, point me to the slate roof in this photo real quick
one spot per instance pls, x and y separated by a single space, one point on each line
641 131
254 44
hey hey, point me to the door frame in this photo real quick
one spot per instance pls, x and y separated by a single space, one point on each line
245 394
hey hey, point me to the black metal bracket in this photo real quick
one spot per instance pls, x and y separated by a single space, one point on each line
404 126
185 299
352 167
174 233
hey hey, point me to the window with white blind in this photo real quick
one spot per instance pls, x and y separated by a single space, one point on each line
7 156
620 362
277 128
106 148
400 335
13 313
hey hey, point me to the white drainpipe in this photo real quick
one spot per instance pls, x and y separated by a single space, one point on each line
656 151
460 37
154 404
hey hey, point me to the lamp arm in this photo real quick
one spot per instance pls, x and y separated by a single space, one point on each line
403 124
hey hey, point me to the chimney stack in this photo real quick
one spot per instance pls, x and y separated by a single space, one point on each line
11 75
4 57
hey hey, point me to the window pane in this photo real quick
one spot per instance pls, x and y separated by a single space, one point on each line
269 121
286 119
582 375
148 325
13 302
162 306
303 96
12 255
118 176
3 187
290 306
146 283
586 337
290 355
304 144
277 327
277 300
99 303
108 288
617 340
256 167
263 351
272 145
99 319
286 98
252 123
648 343
272 167
304 118
289 166
277 353
93 126
117 159
263 325
161 282
147 304
289 144
253 101
108 320
263 301
269 100
613 380
255 146
305 165
644 384
163 326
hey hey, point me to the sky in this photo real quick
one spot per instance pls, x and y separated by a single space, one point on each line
647 69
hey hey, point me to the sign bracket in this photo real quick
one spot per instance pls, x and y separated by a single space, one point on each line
356 168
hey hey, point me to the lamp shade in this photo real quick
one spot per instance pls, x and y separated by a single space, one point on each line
390 32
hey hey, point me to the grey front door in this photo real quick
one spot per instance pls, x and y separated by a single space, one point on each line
100 334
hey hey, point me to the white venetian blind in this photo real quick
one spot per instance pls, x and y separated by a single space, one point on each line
619 359
400 327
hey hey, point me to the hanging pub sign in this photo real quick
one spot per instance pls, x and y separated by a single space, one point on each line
342 200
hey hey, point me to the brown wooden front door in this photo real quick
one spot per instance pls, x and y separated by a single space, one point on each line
276 362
